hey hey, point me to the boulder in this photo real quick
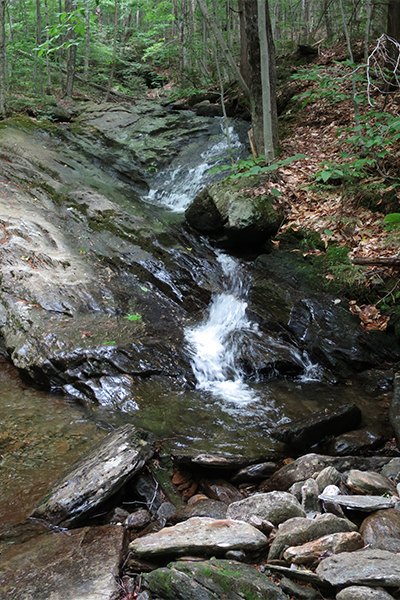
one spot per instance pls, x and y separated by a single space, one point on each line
276 507
212 580
335 543
368 482
225 210
298 530
355 442
304 433
362 592
382 530
300 592
366 567
77 565
221 490
203 508
96 477
255 472
200 536
357 502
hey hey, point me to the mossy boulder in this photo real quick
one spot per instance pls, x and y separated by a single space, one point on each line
212 580
228 211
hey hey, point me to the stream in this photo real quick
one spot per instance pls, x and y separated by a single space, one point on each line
221 410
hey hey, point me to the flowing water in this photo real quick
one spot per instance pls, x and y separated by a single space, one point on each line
224 411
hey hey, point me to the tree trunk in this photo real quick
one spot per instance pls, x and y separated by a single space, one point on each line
87 39
2 58
265 82
114 51
71 52
256 89
46 16
38 38
244 60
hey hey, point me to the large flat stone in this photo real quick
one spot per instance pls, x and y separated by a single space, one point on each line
366 567
98 475
276 507
200 535
75 565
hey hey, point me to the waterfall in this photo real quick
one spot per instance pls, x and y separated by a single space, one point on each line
178 186
215 344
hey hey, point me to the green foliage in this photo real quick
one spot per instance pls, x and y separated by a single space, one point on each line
133 317
392 221
255 166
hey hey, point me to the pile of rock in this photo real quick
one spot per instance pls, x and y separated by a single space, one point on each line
318 526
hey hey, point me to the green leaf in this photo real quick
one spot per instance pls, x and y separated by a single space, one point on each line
392 218
133 317
275 192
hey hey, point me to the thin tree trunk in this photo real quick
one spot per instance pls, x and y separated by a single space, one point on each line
46 16
220 39
71 53
265 82
368 9
114 51
87 40
353 79
244 60
38 68
2 58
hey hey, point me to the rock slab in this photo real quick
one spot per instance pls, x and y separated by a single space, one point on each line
276 507
367 567
98 475
78 565
200 535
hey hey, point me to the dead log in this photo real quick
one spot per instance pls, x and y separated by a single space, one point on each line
377 261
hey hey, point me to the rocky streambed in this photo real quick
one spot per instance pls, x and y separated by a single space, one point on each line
207 527
105 299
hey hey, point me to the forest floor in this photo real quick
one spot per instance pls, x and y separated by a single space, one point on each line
345 211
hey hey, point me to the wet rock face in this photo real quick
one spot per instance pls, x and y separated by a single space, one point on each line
367 567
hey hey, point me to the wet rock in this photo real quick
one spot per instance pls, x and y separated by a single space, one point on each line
237 555
204 508
356 502
362 592
366 567
165 511
221 490
118 516
296 488
309 498
210 580
354 442
394 410
298 575
138 520
382 530
206 109
298 531
300 592
303 433
73 566
329 504
200 536
255 472
224 209
97 476
276 507
145 487
364 482
335 543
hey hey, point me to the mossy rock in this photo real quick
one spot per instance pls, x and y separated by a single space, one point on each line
212 580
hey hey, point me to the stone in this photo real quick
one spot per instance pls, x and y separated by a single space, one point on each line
366 567
237 555
203 508
382 530
117 516
296 488
212 580
273 506
394 410
362 592
355 442
298 530
364 482
392 469
224 208
356 502
255 472
328 476
165 511
200 536
304 433
221 490
73 565
300 592
97 476
137 520
309 498
145 488
310 552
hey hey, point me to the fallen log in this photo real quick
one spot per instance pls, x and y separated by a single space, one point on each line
375 261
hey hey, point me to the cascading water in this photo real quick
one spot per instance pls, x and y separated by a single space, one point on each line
190 173
214 347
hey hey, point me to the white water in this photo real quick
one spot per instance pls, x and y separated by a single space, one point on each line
183 182
213 346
